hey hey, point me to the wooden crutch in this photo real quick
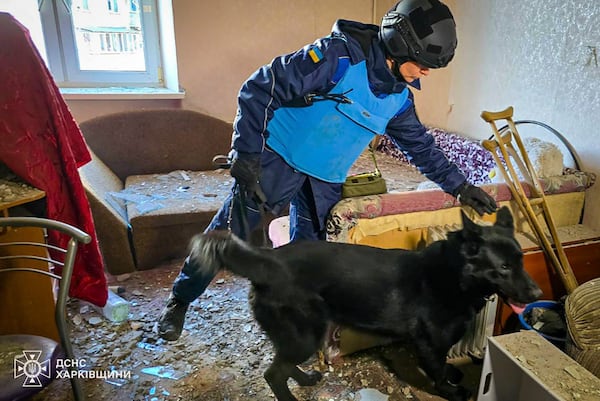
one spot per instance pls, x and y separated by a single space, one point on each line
530 207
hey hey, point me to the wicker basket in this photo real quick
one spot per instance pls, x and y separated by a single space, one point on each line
582 312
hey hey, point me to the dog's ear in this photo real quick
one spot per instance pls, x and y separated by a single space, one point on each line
468 224
504 218
471 235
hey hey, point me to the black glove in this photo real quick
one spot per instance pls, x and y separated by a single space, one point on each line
245 168
475 197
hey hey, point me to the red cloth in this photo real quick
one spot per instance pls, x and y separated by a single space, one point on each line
41 143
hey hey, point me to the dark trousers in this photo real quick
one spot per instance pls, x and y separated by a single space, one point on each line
310 201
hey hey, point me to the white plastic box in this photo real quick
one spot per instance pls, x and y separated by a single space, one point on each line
524 366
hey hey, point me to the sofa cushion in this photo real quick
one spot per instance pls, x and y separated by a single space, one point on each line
156 200
166 210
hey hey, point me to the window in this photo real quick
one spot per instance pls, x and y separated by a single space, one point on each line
102 43
113 6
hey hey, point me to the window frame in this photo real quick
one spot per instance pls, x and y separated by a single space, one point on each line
62 53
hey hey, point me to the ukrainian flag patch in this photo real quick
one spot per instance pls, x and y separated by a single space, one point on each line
315 55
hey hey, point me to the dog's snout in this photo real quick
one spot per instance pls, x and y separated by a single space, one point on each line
536 293
534 289
530 291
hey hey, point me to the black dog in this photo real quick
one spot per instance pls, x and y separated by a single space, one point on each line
427 297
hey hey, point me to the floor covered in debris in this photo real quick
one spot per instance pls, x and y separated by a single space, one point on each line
221 355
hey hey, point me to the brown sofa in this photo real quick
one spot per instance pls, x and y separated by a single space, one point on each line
152 184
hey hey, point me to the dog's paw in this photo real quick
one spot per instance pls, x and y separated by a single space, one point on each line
462 394
310 378
452 374
453 392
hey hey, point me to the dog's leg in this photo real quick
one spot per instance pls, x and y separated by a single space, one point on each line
277 375
453 374
309 378
453 392
299 351
296 331
291 353
433 361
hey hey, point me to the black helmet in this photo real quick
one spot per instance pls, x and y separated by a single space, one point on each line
419 30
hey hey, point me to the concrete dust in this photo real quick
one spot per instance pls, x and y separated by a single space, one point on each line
557 371
399 176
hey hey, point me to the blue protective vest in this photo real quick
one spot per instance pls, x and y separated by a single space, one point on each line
324 139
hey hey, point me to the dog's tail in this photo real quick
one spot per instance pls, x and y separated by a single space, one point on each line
216 250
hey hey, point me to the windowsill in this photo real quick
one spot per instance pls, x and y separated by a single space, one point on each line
117 93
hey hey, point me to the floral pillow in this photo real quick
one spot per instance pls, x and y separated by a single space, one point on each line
472 159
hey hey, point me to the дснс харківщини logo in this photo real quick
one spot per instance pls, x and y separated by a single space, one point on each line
28 364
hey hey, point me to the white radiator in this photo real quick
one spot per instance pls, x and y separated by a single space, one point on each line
474 342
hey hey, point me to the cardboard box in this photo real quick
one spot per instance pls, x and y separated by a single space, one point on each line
524 366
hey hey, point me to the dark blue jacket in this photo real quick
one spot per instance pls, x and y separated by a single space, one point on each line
290 77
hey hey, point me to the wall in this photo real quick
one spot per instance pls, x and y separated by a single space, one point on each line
229 40
534 56
245 35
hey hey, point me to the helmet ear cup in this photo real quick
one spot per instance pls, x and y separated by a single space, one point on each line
395 43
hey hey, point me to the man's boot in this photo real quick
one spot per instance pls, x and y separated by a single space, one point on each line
170 322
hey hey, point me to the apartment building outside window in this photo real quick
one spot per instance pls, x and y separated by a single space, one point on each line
96 43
